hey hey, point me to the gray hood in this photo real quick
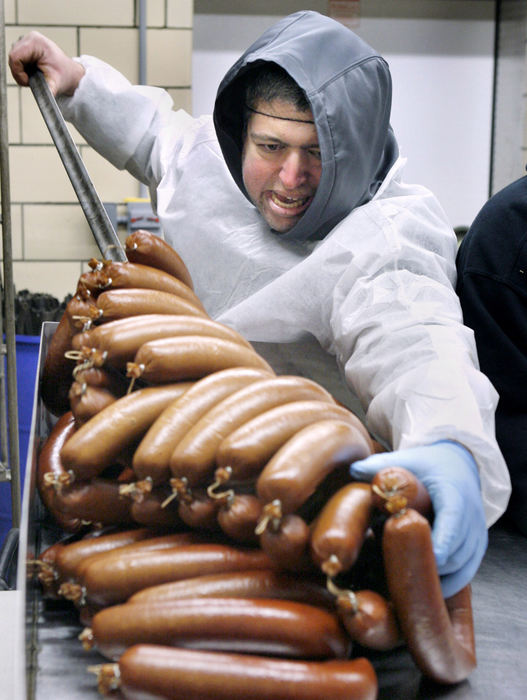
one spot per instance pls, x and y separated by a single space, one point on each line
349 87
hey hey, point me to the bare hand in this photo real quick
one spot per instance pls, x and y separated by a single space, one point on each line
62 73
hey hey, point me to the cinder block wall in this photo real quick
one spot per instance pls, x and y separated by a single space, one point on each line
51 240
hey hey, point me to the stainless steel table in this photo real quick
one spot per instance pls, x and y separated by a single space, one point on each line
55 663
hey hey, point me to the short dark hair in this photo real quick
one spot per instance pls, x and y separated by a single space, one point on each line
268 81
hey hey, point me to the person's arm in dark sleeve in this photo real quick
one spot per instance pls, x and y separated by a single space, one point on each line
498 314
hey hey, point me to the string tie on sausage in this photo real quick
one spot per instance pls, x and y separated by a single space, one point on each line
332 566
57 481
134 371
95 264
87 364
78 389
73 355
137 489
46 574
87 639
180 490
395 502
271 517
345 596
74 592
108 677
222 475
85 321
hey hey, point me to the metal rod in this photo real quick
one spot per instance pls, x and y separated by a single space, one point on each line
94 211
143 190
142 42
9 290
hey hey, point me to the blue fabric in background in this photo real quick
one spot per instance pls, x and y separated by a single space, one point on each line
27 349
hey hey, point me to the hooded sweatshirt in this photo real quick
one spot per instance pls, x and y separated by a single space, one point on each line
367 274
348 86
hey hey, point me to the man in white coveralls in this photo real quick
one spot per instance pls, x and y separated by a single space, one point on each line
289 209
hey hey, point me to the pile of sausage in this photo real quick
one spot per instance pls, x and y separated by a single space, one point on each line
219 546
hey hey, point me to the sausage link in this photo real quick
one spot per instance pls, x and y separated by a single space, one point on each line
72 565
149 510
195 507
285 539
73 506
123 303
73 589
102 378
70 556
369 619
194 456
51 473
292 475
148 671
57 372
97 444
45 569
151 458
117 342
247 450
96 501
80 311
147 248
261 583
395 488
459 608
442 650
108 274
244 625
114 579
91 283
190 357
238 516
86 401
340 528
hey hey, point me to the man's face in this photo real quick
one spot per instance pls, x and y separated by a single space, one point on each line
281 163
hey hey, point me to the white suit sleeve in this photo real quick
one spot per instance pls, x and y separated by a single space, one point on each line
398 333
121 121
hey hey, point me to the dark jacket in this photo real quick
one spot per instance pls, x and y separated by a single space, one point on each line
492 286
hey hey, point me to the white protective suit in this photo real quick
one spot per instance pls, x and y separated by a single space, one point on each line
372 280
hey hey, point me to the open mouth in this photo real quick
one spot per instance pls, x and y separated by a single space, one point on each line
290 202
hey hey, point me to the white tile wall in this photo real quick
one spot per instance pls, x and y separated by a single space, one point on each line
9 11
56 278
77 12
166 52
53 228
50 238
118 46
37 175
180 13
155 13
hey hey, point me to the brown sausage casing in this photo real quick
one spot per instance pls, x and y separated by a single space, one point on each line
154 671
442 650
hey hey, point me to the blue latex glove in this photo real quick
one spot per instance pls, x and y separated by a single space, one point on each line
450 474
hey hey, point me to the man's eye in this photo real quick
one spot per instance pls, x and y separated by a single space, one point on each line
270 147
315 152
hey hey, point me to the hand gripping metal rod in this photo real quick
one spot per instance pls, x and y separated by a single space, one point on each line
94 211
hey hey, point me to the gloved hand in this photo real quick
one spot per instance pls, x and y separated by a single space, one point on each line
450 474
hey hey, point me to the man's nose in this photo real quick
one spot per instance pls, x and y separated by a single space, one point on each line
294 170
